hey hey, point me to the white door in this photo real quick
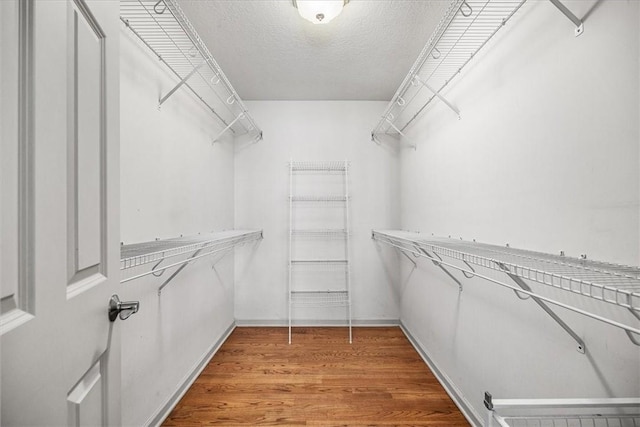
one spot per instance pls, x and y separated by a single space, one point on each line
59 205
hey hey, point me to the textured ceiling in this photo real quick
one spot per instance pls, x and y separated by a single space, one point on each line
269 52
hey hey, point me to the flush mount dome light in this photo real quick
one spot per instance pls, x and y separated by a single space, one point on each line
319 11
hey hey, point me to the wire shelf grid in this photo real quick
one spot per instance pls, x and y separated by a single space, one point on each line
582 277
164 28
324 233
466 27
318 199
318 166
320 298
615 284
138 254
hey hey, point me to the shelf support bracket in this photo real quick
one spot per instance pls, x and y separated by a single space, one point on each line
241 115
632 338
436 263
401 134
521 283
179 85
175 273
573 18
415 265
437 93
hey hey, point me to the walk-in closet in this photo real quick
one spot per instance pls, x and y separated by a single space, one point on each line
333 212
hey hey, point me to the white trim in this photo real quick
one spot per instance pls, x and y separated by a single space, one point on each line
163 412
317 322
451 389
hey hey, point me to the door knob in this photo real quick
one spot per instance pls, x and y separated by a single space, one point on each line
124 309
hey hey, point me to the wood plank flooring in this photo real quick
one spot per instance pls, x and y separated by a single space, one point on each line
256 378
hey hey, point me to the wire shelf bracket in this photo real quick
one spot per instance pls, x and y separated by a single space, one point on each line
417 79
614 284
581 347
570 15
180 83
439 265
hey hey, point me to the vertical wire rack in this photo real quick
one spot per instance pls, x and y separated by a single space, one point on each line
334 272
164 28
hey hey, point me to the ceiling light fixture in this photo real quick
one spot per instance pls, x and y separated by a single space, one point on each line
319 11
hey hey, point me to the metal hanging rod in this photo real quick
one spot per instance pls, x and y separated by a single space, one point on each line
466 27
611 283
164 28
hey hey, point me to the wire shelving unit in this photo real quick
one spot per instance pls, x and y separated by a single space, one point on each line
614 284
164 28
466 27
179 252
319 279
605 412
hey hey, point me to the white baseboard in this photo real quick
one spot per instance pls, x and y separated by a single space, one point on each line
451 389
317 323
163 412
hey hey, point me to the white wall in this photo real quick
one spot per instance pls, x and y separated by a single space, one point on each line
546 157
173 182
314 130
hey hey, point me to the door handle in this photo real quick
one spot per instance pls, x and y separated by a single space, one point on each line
124 309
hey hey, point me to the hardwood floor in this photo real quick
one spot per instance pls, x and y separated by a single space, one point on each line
256 378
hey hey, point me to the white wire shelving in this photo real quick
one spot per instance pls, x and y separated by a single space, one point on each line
320 233
322 277
466 27
615 284
137 256
320 298
164 28
319 199
605 412
328 166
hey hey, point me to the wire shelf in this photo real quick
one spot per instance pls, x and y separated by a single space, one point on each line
611 283
325 233
596 420
318 199
463 31
325 166
320 298
199 246
607 412
327 262
163 27
138 254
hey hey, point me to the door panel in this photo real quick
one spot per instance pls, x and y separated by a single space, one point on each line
62 365
16 164
86 110
86 397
